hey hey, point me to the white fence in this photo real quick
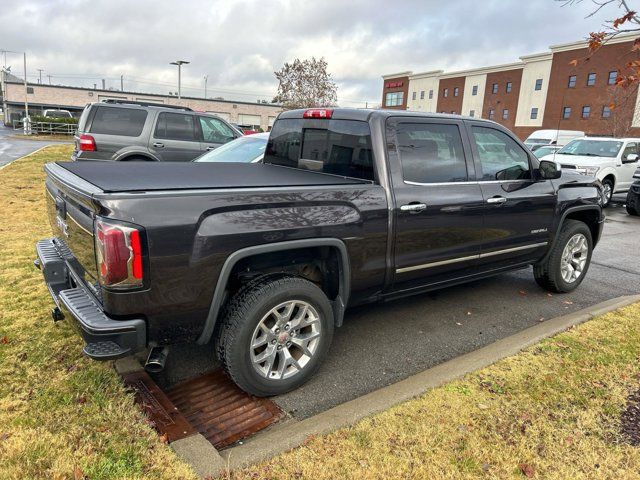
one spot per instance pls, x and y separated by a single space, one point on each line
47 128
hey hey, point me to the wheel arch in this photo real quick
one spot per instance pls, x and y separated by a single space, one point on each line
344 276
588 214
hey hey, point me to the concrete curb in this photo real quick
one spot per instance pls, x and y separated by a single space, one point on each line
200 455
281 438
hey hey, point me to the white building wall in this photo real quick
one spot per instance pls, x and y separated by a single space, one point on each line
423 83
474 102
535 67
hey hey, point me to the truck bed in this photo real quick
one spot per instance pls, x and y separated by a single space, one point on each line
150 176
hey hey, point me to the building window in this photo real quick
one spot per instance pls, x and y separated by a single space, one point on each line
586 110
453 112
494 88
613 76
491 114
422 95
394 99
572 81
445 92
29 89
413 96
566 112
534 113
538 84
456 90
606 111
509 86
474 90
430 94
505 113
591 79
472 113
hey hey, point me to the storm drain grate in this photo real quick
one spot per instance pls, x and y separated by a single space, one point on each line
218 409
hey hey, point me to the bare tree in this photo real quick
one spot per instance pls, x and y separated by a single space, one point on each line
304 84
622 109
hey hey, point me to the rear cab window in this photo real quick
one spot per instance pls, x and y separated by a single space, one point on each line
338 147
127 122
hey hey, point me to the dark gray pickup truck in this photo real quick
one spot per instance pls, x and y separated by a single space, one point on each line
350 206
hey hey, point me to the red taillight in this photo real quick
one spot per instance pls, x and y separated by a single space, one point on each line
318 113
87 143
119 255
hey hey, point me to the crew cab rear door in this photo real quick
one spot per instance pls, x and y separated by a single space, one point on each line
438 203
518 209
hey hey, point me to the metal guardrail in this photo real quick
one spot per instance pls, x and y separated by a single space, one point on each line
47 128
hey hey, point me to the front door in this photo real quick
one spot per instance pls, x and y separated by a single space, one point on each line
439 205
626 168
519 210
175 137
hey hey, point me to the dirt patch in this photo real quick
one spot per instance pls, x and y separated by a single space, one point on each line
630 419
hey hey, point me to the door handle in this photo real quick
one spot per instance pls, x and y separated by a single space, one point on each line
496 200
211 147
413 207
158 145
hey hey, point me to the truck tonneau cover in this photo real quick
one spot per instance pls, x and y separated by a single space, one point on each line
149 176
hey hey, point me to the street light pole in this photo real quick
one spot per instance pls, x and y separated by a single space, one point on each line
27 125
179 63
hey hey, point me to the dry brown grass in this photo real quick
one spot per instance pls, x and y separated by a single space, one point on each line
61 415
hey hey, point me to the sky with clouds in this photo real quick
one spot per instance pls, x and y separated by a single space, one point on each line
239 44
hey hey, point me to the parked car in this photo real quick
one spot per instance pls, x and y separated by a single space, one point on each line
544 150
139 131
633 198
348 207
248 149
57 114
551 137
245 129
612 160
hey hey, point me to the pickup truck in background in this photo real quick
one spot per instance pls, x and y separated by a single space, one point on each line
349 207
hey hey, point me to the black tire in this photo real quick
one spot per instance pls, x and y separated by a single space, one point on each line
633 203
137 159
548 272
246 309
607 182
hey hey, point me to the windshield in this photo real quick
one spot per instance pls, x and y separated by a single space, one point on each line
542 151
240 150
592 148
537 141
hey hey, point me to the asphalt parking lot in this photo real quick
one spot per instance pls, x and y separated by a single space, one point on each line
384 343
12 148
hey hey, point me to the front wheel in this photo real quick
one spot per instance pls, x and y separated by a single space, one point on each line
566 265
607 190
633 203
275 334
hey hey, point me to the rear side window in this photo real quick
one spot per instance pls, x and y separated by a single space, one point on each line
431 153
127 122
339 147
175 126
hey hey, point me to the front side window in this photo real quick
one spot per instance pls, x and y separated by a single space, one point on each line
494 88
538 84
127 122
215 130
606 111
431 153
175 126
630 149
534 113
394 99
505 114
572 81
591 79
586 111
474 90
566 112
339 147
613 76
501 157
509 87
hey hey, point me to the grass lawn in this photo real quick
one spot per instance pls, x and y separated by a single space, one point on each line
552 411
54 136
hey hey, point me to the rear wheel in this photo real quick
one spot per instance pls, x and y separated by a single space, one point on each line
564 268
607 188
633 203
275 334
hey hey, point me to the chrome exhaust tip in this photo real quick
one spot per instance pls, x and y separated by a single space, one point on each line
156 359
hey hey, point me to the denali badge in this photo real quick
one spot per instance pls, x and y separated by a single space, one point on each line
539 230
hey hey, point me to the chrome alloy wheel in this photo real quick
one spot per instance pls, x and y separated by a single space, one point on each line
574 258
607 190
285 340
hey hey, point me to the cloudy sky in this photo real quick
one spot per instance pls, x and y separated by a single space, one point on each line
239 44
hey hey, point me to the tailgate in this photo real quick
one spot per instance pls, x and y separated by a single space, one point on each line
71 211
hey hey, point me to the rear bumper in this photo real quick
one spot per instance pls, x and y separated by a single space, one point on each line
105 338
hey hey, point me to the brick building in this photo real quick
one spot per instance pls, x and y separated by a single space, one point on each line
74 99
541 91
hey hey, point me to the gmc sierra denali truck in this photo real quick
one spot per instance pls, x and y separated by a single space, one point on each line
349 206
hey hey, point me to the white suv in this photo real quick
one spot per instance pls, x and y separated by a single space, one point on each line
613 161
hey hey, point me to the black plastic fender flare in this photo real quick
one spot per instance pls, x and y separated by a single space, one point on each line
339 304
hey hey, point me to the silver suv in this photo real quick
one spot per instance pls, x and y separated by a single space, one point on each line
138 131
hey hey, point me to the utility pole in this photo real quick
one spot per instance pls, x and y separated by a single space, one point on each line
206 77
103 85
122 83
26 126
40 70
179 63
49 79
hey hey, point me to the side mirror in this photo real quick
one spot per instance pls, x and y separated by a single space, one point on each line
549 170
631 158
